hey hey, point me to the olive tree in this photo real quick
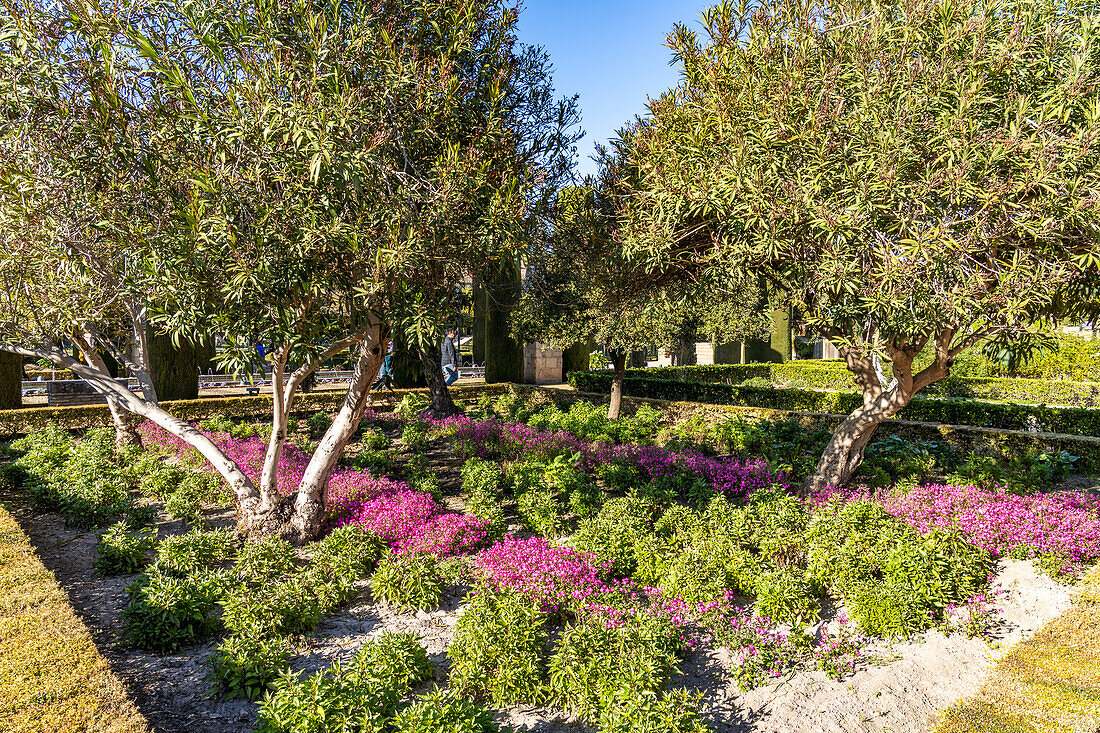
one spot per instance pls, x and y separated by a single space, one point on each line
920 172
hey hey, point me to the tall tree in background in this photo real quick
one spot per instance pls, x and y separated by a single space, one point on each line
914 172
582 288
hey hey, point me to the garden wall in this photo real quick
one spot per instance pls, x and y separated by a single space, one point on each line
952 411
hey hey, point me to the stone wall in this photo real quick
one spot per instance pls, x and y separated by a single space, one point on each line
541 364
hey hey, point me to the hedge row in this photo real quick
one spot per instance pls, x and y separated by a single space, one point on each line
821 374
963 438
953 411
30 419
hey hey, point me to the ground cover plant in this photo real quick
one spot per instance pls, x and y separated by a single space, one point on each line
596 564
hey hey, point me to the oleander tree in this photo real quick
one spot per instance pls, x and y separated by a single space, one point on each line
582 288
912 173
335 163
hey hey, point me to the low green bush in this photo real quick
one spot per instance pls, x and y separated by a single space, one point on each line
415 436
193 552
292 605
347 554
482 487
409 581
186 502
612 534
376 461
264 561
318 423
245 665
374 439
595 666
122 550
541 510
894 581
673 711
361 696
499 649
440 711
167 613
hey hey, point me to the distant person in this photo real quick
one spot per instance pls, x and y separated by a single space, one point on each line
385 374
450 358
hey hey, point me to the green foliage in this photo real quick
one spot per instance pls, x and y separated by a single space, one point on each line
411 405
785 596
378 462
358 697
186 501
167 613
193 552
245 665
82 480
482 485
595 667
444 711
416 436
158 481
541 510
264 561
318 423
410 581
673 711
614 532
499 649
894 581
347 554
373 439
122 549
291 605
216 423
589 420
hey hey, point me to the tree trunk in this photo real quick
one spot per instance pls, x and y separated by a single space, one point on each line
11 376
126 434
311 503
844 453
618 360
440 402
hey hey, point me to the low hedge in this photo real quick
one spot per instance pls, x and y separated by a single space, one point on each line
964 438
821 374
951 411
82 417
52 677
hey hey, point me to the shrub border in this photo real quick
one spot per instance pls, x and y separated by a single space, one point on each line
81 417
834 375
953 411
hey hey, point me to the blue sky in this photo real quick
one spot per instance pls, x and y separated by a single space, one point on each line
610 52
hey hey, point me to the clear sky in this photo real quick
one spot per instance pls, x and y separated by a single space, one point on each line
611 53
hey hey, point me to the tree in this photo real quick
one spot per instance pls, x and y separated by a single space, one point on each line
583 288
914 172
338 161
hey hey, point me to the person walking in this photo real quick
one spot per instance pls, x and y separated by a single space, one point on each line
450 358
385 374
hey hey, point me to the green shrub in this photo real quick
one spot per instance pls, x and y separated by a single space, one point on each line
595 666
318 424
140 516
415 436
894 581
246 665
420 476
193 552
337 701
167 613
123 550
373 439
291 605
374 461
541 510
612 534
186 502
347 554
160 482
83 480
785 596
481 484
268 559
398 659
440 711
674 711
411 405
499 648
408 581
216 423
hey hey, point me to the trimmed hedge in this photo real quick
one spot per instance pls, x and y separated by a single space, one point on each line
834 375
952 411
82 417
960 437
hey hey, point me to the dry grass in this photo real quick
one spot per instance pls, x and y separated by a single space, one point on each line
52 677
1049 683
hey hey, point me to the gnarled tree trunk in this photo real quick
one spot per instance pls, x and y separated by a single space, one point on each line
618 360
440 403
881 401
